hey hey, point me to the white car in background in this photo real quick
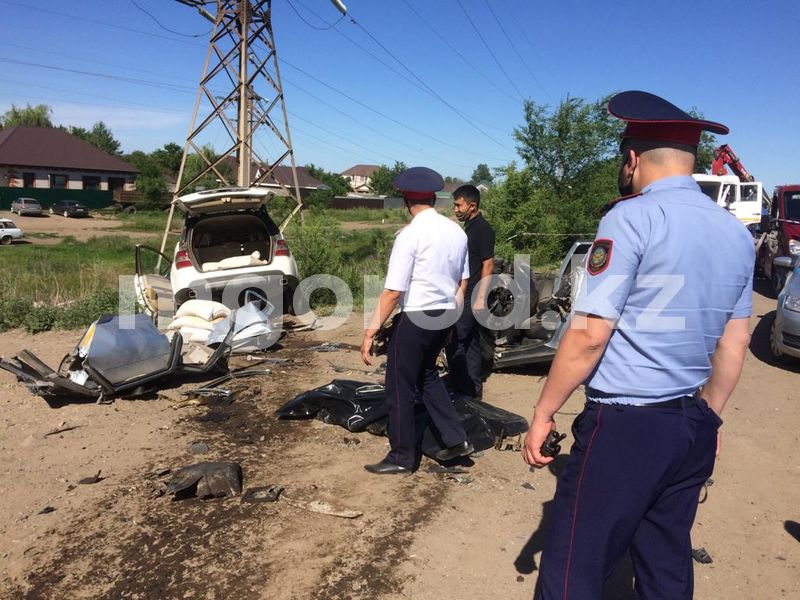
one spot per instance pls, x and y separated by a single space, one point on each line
229 244
9 232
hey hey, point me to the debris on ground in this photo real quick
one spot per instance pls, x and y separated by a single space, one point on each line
92 479
459 478
323 507
207 480
268 493
46 510
198 447
61 429
117 355
440 469
701 556
327 347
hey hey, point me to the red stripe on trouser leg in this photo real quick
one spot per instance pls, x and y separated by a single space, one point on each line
577 498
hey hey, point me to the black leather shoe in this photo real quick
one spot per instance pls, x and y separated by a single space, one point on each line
387 468
457 451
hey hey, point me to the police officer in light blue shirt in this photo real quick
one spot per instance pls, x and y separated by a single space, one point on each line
658 336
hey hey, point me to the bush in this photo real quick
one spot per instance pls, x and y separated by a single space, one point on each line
41 318
83 312
13 312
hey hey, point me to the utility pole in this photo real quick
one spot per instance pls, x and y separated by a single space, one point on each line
241 71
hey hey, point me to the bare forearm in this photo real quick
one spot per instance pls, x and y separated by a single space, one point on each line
487 268
386 304
726 363
577 356
726 367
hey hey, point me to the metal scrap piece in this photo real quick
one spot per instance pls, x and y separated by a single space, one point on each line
212 480
268 493
701 556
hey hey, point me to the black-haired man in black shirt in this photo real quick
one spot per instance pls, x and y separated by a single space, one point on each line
464 351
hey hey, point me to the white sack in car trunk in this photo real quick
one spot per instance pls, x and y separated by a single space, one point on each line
235 262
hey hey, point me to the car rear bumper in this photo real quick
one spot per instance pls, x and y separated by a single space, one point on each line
277 287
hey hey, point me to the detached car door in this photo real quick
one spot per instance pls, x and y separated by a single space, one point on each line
152 285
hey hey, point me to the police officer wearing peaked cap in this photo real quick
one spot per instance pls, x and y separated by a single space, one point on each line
427 274
658 337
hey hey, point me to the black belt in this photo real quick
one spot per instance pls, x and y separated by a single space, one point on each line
674 403
683 401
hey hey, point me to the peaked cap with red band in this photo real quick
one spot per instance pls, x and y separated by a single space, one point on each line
650 117
419 183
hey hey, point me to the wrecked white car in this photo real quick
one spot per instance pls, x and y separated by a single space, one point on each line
229 244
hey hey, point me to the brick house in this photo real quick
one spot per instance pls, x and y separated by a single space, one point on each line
48 158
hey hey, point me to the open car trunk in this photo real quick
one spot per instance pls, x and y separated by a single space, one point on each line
229 237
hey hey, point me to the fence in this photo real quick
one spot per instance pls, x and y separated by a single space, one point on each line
47 196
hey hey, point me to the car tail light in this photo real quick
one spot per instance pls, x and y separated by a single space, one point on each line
182 259
281 249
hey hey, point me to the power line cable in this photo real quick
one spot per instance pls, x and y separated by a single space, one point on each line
514 48
466 61
330 26
360 122
157 22
489 49
382 114
429 88
532 46
97 62
98 22
155 84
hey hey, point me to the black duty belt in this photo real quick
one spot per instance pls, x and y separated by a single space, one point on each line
683 401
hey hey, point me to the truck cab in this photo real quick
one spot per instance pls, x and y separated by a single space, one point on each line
785 218
742 199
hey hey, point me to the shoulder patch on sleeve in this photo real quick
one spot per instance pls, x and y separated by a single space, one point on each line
599 256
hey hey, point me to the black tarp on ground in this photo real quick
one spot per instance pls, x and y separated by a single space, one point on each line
359 406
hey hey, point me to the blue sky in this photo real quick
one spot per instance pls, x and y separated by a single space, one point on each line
737 62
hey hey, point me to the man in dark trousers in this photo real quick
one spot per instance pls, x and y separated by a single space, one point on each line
658 336
427 276
464 356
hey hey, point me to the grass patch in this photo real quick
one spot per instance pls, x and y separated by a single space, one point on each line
42 235
150 221
67 271
372 215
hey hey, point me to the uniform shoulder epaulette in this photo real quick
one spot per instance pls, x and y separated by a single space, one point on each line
616 201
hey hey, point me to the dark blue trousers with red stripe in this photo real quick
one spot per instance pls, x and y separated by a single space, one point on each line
631 483
411 366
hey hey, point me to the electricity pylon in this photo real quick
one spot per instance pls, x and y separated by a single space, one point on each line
240 98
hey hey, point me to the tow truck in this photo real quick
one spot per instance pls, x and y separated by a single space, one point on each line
774 222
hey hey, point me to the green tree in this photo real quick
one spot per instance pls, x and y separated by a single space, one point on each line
169 157
196 163
336 184
99 136
35 116
449 179
481 173
382 179
150 182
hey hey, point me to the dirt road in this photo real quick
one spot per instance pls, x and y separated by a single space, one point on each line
420 537
51 229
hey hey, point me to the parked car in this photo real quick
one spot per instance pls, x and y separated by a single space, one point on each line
9 232
784 335
228 245
26 206
69 208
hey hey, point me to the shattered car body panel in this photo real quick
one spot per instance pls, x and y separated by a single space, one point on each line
112 358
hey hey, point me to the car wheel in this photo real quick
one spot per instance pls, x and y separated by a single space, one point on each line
6 240
777 353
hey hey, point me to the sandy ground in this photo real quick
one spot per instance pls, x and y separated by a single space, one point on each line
420 537
51 229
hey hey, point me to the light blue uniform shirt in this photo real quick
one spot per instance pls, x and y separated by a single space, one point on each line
670 267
